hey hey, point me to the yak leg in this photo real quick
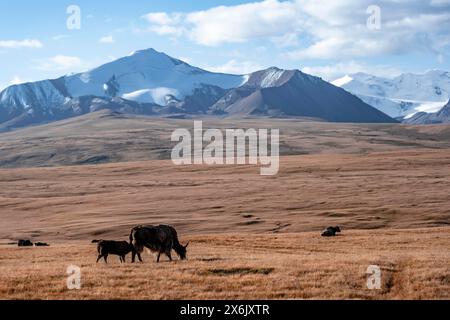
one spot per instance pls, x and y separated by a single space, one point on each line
99 257
169 254
137 251
159 256
106 258
133 253
139 257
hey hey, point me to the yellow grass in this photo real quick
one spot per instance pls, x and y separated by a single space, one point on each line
415 265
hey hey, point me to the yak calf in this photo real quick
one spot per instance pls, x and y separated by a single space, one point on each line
118 248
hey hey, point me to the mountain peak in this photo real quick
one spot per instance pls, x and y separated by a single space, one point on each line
151 56
269 77
144 51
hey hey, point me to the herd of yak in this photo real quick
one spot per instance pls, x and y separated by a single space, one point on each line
161 239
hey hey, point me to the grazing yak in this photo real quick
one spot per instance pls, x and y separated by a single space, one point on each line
159 239
25 243
118 248
331 231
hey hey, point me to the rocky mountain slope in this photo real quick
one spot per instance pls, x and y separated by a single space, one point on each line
152 83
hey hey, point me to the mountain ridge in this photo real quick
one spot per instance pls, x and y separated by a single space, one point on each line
153 83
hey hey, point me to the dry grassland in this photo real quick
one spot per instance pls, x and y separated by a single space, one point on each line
414 263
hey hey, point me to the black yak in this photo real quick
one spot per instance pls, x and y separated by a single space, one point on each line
160 239
331 231
25 243
118 248
41 244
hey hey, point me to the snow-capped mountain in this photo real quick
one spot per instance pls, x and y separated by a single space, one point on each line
146 76
151 82
402 96
276 92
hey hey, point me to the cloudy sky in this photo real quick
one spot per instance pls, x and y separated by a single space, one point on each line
40 39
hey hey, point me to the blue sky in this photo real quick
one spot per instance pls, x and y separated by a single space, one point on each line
322 37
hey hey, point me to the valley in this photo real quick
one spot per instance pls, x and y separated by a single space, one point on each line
252 236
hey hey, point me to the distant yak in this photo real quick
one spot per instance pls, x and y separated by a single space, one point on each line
28 243
118 248
160 239
25 243
41 244
331 231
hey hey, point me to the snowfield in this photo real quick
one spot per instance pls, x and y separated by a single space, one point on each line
402 96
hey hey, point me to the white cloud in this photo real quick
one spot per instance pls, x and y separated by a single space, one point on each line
336 71
319 29
227 24
17 44
339 30
60 63
236 24
236 67
160 18
107 39
163 23
167 30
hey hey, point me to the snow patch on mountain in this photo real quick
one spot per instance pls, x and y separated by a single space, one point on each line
155 95
427 107
342 81
402 96
271 77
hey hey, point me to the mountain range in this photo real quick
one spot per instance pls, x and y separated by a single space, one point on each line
152 83
401 97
